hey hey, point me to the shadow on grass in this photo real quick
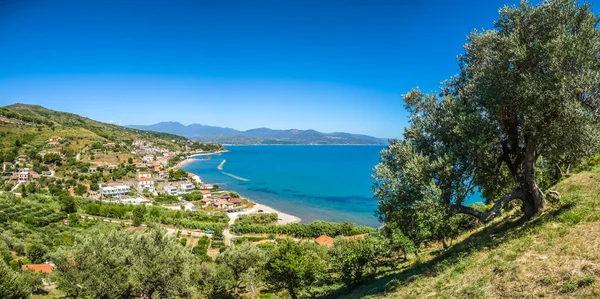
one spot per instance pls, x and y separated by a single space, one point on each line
488 238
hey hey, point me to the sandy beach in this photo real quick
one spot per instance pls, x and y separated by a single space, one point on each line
283 217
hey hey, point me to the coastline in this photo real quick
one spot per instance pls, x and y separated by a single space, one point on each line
284 218
189 158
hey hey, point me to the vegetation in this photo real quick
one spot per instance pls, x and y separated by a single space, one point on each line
522 110
311 230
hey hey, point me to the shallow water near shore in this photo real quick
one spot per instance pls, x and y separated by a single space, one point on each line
331 183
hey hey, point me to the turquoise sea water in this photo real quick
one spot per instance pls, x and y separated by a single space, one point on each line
331 183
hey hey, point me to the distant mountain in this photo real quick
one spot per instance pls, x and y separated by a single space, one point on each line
258 136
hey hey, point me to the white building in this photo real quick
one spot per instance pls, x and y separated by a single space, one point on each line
23 176
115 191
194 178
145 184
170 190
144 174
186 187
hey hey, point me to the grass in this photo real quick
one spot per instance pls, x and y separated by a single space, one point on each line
553 255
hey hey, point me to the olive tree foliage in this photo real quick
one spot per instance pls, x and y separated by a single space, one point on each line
11 284
119 264
526 101
296 266
358 258
244 262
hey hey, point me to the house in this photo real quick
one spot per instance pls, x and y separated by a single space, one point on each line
324 240
221 204
194 178
207 201
144 174
225 197
55 138
115 191
23 176
145 184
148 159
186 187
235 201
170 190
22 158
35 176
206 186
205 193
45 268
52 144
163 175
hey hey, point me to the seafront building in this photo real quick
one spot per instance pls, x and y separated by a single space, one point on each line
115 191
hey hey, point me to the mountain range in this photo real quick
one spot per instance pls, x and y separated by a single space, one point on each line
257 136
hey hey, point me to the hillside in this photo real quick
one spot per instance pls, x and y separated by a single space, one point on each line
86 127
258 135
555 255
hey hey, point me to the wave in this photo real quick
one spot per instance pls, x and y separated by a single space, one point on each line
235 176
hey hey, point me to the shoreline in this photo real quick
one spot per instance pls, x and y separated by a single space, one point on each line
283 218
189 159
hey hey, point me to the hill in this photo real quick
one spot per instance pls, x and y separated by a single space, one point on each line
27 130
258 135
554 255
111 132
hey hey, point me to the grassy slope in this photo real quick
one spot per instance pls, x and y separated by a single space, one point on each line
85 127
554 255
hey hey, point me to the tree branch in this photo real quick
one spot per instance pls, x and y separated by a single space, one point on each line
485 217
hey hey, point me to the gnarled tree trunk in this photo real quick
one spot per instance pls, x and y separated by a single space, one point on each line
528 192
533 197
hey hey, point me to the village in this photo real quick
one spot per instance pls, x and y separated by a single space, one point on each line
151 172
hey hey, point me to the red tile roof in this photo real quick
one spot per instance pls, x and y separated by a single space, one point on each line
46 268
324 240
204 191
235 200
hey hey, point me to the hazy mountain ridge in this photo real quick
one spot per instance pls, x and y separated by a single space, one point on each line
259 135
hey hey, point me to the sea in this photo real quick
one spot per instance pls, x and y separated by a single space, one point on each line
313 182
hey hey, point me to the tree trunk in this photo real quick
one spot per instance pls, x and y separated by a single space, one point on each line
533 197
528 192
293 293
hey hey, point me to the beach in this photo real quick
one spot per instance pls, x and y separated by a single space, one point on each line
283 217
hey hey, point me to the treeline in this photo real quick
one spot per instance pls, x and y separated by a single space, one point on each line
311 230
11 114
187 219
257 218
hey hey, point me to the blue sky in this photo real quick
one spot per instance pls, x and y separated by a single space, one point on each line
324 65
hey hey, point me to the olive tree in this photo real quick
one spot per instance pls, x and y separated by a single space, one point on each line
526 98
